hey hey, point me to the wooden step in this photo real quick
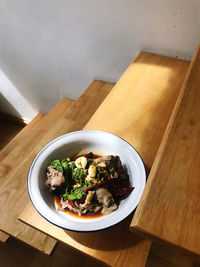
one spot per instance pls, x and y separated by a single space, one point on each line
141 105
12 144
28 138
13 188
172 190
137 109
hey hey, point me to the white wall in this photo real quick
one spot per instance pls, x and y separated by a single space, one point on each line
53 49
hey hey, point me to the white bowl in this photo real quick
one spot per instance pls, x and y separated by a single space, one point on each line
74 143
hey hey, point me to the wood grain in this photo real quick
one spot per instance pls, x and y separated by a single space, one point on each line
140 105
137 109
15 132
11 157
170 208
13 188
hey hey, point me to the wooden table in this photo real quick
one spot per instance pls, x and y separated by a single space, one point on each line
169 210
137 109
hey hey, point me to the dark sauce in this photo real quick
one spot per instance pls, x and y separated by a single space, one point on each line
88 215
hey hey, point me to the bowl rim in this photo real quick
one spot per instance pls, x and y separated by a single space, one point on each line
72 133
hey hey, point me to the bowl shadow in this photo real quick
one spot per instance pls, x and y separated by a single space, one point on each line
114 238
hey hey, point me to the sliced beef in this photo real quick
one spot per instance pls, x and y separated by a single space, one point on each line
55 179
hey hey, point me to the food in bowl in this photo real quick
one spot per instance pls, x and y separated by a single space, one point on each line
88 184
79 143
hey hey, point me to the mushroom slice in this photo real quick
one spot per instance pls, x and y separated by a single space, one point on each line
105 197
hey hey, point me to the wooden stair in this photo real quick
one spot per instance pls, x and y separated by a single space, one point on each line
11 156
148 91
10 146
17 156
143 101
173 187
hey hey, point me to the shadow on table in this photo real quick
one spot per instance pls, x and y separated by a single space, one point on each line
114 238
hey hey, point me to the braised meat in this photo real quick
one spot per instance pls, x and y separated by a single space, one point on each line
54 178
88 183
105 197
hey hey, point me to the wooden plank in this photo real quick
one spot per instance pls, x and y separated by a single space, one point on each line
3 237
172 191
21 145
14 130
13 189
137 109
140 105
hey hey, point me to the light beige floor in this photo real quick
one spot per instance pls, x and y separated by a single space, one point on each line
14 253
